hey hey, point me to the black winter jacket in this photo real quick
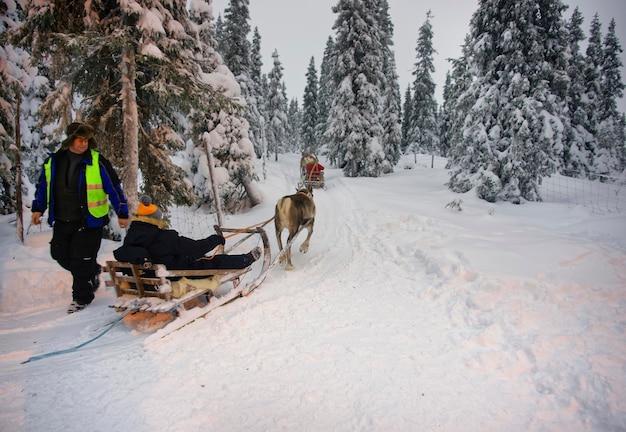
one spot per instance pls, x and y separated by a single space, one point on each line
166 246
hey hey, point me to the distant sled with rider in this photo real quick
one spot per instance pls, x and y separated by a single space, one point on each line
311 172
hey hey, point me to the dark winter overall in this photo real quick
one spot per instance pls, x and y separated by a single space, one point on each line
77 234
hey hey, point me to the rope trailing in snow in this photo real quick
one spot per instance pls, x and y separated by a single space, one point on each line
77 347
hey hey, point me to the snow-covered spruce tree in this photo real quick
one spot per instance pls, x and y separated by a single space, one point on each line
406 118
265 92
36 141
589 115
326 91
513 133
309 110
290 144
233 155
256 61
234 37
580 143
256 109
392 101
55 35
39 133
294 138
611 156
135 68
457 102
445 117
277 125
423 135
354 130
219 34
13 70
250 94
224 130
239 54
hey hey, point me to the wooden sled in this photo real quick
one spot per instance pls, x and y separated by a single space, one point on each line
153 296
312 178
311 172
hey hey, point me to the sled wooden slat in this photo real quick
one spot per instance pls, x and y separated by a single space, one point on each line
149 275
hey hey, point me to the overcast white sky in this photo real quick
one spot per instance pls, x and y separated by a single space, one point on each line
298 29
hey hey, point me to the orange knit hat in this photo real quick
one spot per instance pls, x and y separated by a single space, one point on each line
146 208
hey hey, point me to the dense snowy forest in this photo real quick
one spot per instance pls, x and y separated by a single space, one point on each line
166 84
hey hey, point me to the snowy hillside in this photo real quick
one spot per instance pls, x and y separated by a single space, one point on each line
405 315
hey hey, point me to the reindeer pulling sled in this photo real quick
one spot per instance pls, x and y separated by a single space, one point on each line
311 172
154 296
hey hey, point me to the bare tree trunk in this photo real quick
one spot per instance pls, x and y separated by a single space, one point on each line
19 220
216 195
264 148
130 127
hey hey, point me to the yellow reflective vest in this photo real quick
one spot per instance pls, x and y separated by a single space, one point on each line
97 201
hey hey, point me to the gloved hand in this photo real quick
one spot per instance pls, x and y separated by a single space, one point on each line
35 218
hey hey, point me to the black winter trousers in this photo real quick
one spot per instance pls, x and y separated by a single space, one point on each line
223 262
76 249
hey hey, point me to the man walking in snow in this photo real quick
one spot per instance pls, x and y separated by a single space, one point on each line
74 186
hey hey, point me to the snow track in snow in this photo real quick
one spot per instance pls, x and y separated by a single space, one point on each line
403 315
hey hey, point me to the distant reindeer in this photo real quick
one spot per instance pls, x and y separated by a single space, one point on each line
294 212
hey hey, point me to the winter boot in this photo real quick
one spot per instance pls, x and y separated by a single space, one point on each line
75 307
95 281
255 253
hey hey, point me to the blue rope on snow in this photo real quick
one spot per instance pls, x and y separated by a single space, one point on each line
77 347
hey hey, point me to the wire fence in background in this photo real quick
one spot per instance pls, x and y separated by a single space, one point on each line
601 196
196 223
423 160
191 222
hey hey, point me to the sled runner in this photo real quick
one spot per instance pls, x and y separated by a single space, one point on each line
311 172
155 295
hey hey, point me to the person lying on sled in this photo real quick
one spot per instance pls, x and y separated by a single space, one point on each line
314 167
148 239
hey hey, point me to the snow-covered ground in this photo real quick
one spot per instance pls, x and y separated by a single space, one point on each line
405 315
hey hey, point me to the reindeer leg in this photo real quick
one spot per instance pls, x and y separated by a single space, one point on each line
280 246
304 247
288 251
